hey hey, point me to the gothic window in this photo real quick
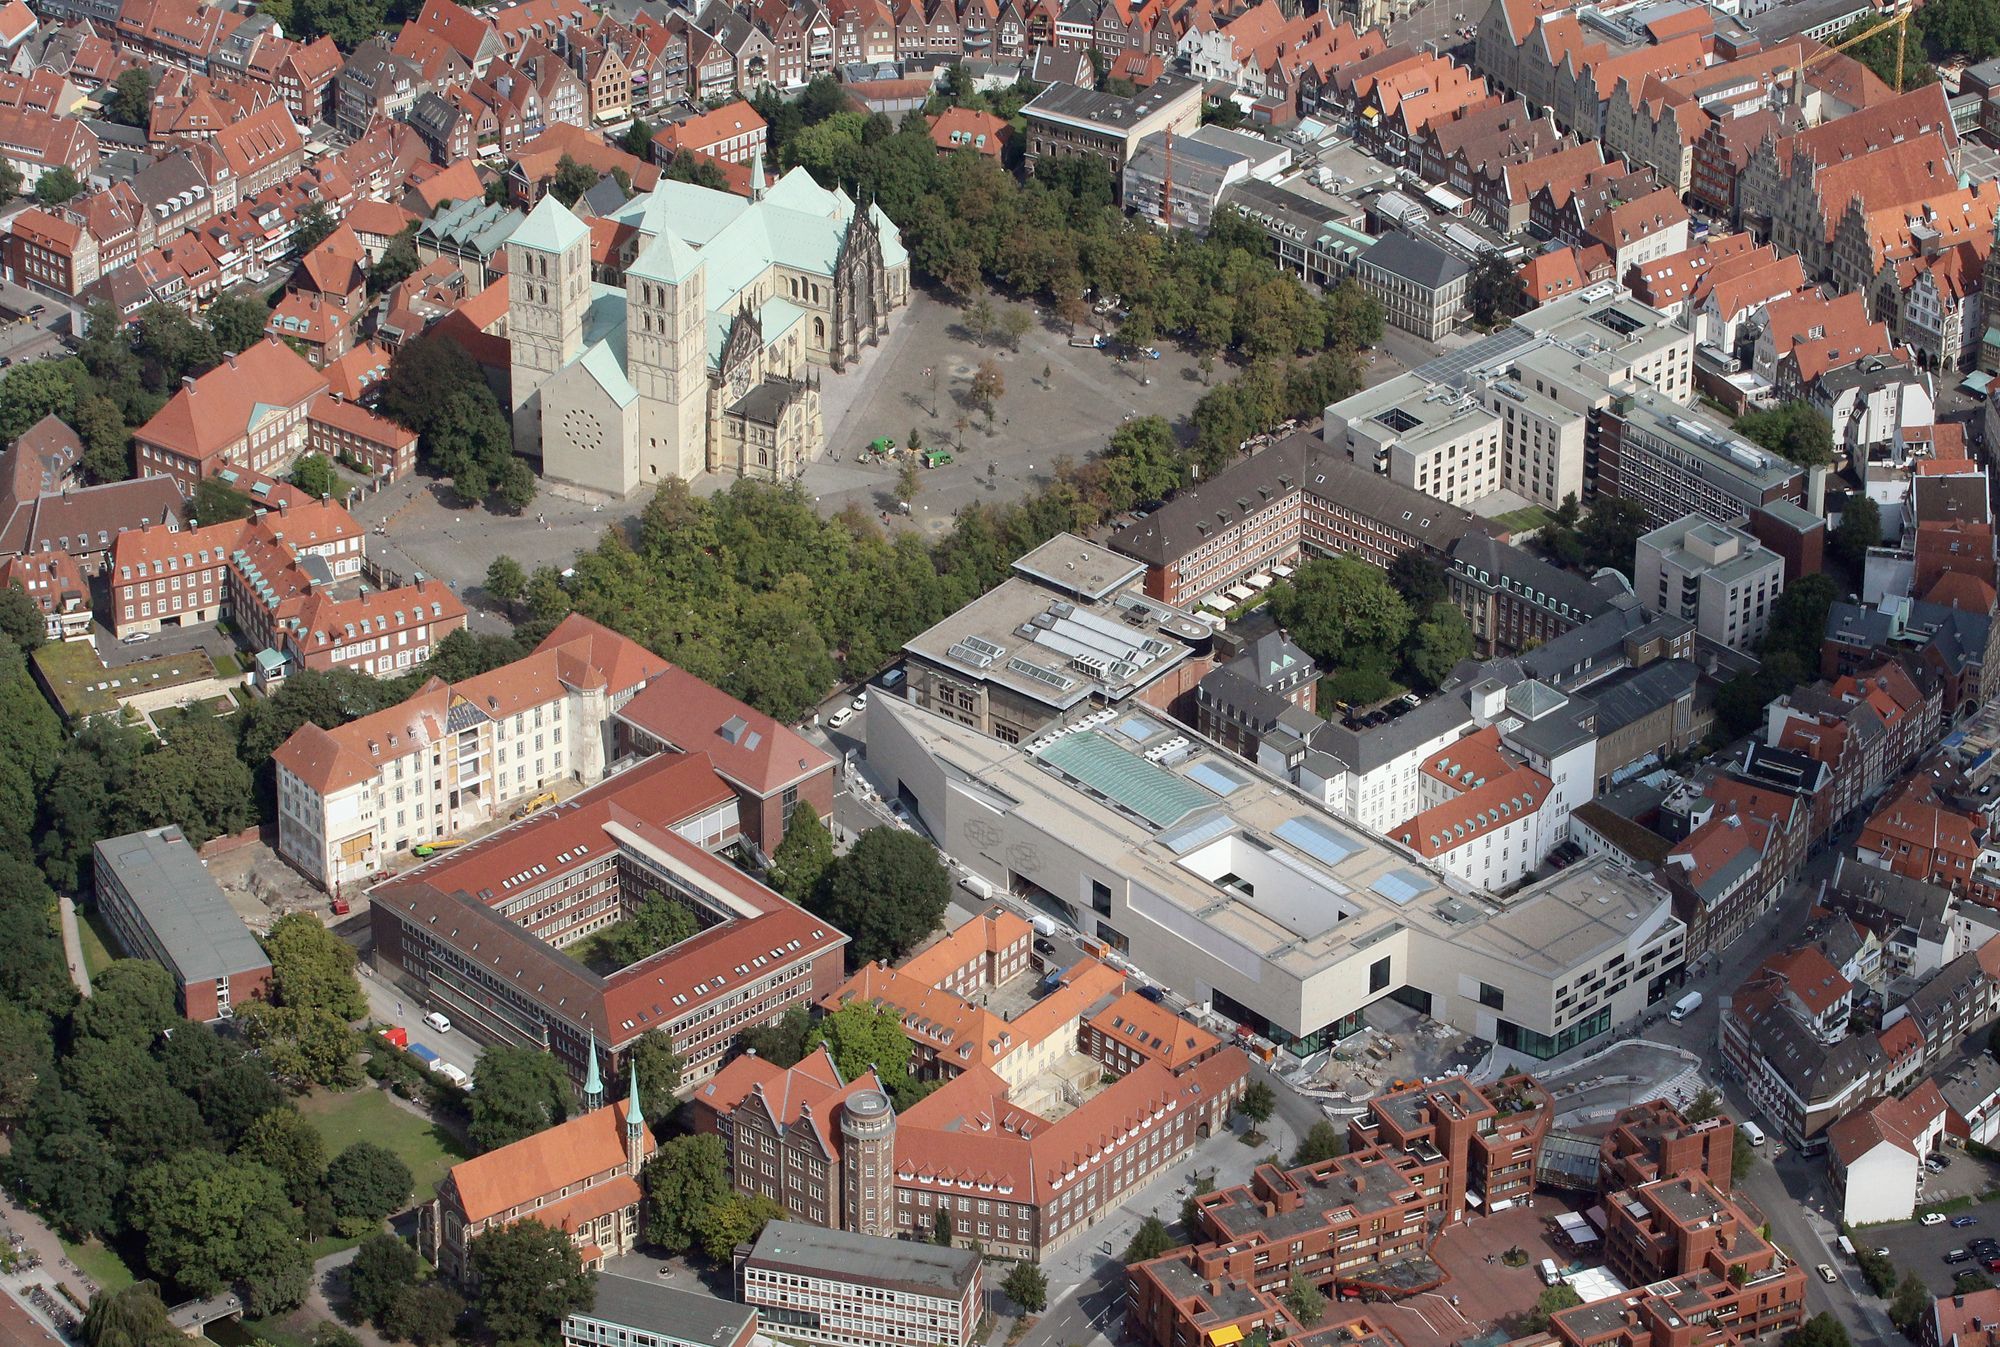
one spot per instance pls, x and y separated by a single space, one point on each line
819 331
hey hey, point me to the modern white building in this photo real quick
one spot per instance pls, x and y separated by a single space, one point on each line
1240 892
1716 576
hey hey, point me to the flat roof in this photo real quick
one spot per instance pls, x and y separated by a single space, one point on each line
844 1255
1072 621
683 1316
1111 112
184 908
1271 884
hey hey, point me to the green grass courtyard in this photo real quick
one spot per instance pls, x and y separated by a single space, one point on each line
370 1114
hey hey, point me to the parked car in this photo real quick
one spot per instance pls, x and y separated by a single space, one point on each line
1957 1256
1933 1218
1964 1222
1153 994
840 717
1044 945
860 703
1827 1274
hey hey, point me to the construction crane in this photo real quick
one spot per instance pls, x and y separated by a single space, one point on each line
1167 186
1901 23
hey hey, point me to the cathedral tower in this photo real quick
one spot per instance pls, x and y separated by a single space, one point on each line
666 356
548 290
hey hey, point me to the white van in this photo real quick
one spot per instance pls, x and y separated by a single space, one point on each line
436 1020
454 1075
1752 1131
1551 1274
1685 1007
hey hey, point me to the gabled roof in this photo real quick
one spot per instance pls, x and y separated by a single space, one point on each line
549 227
568 1155
222 406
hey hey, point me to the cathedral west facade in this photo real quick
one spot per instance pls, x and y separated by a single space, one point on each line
692 338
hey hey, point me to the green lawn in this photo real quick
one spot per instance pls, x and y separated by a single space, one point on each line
1522 520
371 1115
101 1264
96 950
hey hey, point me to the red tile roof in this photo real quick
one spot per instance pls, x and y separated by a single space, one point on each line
221 407
750 748
560 1157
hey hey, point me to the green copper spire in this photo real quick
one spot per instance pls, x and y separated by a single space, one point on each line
634 1119
593 1083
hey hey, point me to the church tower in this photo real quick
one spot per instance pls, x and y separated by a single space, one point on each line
593 1083
666 356
635 1126
548 290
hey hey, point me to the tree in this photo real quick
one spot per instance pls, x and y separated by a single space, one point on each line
1258 1103
909 481
1794 430
863 1036
57 185
1191 1224
435 389
941 1228
657 1064
784 1041
572 180
888 892
1972 1279
1149 1241
303 1044
206 1221
132 1317
131 98
1877 1268
327 1333
217 502
284 1142
1340 609
1141 463
1705 1105
1305 1302
734 1220
427 1315
312 968
802 858
131 1001
382 1267
314 474
1323 1141
315 224
21 623
989 385
660 923
979 319
1553 1300
638 139
1028 1287
1860 529
237 322
685 1177
366 1182
516 485
1911 1303
27 1058
1610 535
1742 1158
505 581
530 1278
32 390
1438 643
517 1093
1496 292
1822 1330
1015 324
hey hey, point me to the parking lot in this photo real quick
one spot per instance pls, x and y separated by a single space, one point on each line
1921 1248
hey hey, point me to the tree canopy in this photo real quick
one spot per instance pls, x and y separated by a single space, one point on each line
529 1278
436 389
888 892
1794 430
517 1093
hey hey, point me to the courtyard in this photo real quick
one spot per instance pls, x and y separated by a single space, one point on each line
1482 1293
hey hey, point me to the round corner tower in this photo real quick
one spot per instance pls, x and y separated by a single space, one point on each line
868 1164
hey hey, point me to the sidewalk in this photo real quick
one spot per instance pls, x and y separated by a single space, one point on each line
72 940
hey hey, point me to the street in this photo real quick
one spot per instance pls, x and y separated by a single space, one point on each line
392 1004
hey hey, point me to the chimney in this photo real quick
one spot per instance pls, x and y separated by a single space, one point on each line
187 382
231 358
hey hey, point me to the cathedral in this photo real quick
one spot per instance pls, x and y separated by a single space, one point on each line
685 333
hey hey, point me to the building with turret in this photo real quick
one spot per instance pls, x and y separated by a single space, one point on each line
688 336
580 1176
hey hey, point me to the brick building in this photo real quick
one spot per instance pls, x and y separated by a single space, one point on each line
160 904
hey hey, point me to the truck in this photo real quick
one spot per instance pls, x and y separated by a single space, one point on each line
397 1035
427 1056
1096 343
1685 1007
977 886
454 1075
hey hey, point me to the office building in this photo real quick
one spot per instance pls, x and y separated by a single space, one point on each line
842 1289
160 904
478 932
1661 456
1072 624
1066 122
1715 576
1420 286
643 1312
